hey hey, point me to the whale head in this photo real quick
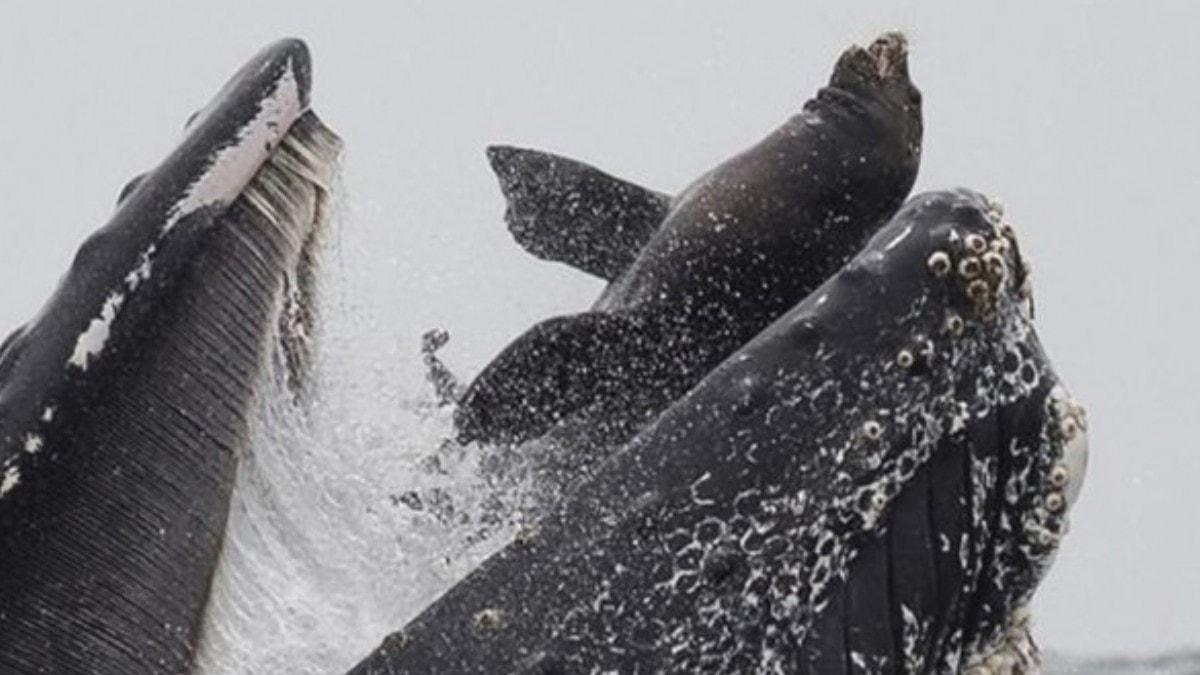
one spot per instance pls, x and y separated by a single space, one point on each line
124 404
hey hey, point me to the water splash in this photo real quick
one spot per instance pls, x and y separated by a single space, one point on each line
351 511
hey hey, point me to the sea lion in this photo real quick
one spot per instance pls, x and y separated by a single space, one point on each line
124 404
694 277
875 483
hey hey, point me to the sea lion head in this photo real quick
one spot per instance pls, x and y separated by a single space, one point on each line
875 80
880 69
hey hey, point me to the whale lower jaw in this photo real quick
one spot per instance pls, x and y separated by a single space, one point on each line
876 482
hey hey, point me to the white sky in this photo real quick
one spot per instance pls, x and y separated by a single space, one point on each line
1080 116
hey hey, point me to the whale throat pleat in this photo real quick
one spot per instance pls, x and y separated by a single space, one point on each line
109 542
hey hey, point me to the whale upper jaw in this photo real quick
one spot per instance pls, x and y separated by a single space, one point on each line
227 141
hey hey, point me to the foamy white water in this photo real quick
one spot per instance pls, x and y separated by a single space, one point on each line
352 513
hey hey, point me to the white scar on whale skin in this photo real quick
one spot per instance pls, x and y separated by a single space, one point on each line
33 444
91 342
10 480
899 238
142 271
233 166
230 169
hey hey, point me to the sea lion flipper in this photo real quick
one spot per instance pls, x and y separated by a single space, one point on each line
554 369
566 211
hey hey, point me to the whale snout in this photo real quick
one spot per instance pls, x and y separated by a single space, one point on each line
286 55
257 82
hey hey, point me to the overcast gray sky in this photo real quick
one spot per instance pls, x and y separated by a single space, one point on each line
1080 116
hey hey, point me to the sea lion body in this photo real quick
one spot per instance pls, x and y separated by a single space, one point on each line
735 250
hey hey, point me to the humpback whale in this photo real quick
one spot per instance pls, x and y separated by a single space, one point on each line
875 483
124 403
873 479
694 277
